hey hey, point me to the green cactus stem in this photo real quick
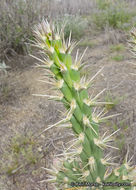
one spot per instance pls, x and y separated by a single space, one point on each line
84 159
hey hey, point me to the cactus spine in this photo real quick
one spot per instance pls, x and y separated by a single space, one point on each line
84 159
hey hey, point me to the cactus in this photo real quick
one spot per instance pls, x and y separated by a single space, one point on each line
84 160
132 42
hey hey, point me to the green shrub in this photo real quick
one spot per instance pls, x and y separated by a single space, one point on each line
115 15
116 48
117 57
16 21
103 4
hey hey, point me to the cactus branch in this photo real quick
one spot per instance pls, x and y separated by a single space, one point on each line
84 159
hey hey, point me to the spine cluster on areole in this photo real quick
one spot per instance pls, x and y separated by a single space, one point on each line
84 159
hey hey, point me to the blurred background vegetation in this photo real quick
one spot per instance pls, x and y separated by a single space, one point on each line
18 17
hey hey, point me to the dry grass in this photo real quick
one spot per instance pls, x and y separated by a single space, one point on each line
18 17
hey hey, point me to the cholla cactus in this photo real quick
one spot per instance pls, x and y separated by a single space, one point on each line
83 161
132 42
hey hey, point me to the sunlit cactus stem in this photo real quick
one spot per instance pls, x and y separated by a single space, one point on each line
84 159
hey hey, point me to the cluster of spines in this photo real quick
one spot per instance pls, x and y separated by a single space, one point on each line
132 42
86 161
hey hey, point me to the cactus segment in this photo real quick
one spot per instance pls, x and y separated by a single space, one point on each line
86 153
